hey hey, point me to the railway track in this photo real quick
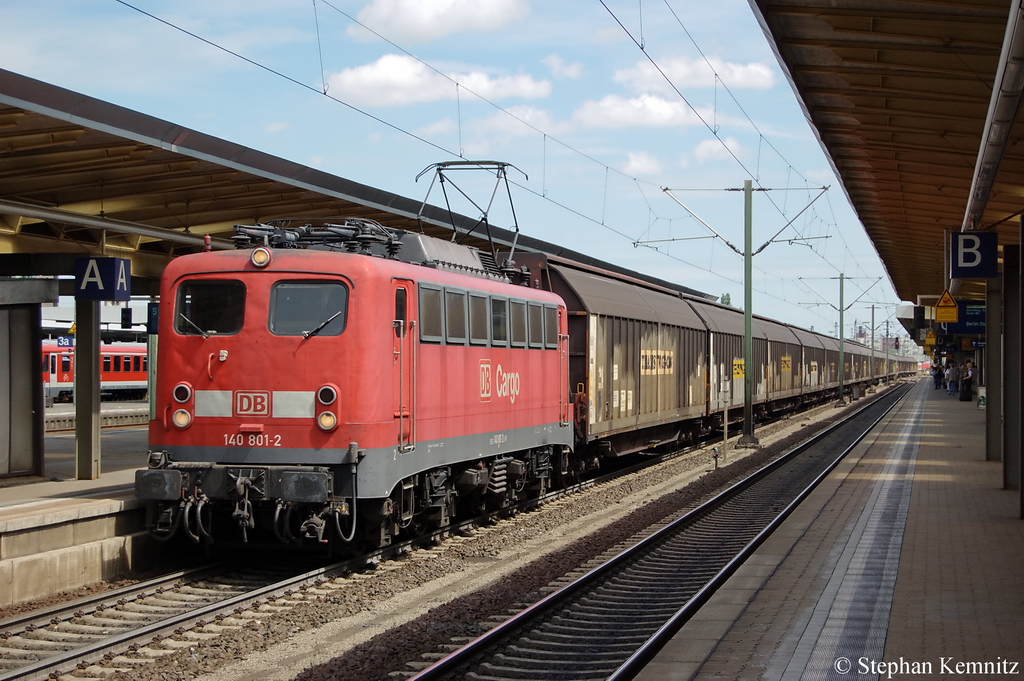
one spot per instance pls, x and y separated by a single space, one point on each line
611 621
42 643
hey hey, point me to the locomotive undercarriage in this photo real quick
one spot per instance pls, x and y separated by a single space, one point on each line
295 505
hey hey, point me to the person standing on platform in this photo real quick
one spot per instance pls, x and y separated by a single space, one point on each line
952 378
967 384
936 376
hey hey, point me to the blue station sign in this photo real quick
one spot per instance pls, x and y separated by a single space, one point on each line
103 279
974 255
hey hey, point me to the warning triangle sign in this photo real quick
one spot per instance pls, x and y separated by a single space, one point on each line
946 300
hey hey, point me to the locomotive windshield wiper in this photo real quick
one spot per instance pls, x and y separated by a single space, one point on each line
194 325
320 327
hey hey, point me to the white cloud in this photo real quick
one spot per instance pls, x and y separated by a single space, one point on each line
416 21
398 80
442 127
614 111
559 69
275 127
642 163
520 122
694 73
715 150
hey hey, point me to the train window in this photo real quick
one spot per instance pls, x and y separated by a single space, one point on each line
550 327
65 362
308 308
455 316
431 319
536 313
209 306
518 315
53 364
106 364
477 319
499 321
117 362
400 312
145 363
138 363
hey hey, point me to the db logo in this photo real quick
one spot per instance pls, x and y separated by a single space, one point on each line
485 380
252 403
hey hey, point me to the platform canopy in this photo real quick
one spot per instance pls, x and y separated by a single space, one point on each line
899 94
82 176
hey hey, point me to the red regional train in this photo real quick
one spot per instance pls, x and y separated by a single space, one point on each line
352 383
124 371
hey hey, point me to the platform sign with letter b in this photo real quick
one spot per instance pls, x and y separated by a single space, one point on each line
974 255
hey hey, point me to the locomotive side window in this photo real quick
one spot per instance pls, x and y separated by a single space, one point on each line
499 321
455 316
65 362
138 362
477 319
53 364
117 362
308 308
209 306
400 313
106 364
551 327
431 324
536 325
518 315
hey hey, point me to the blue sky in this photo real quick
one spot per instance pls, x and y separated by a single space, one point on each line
562 90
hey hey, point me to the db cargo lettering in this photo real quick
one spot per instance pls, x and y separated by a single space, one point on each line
507 384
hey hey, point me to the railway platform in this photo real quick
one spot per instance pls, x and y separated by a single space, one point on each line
58 533
904 563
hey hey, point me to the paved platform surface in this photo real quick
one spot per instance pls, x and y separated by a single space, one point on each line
906 563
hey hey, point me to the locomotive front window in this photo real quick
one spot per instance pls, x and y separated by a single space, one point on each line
308 308
210 306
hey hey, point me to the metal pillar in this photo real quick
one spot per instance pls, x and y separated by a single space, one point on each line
993 374
1011 367
87 389
874 370
748 439
842 364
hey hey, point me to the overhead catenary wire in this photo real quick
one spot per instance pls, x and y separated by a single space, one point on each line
544 194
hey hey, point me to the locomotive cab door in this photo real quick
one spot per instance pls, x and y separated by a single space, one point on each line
404 373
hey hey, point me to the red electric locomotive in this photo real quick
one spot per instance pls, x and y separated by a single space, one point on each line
349 381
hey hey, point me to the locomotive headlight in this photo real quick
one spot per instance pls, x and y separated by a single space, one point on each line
260 257
327 395
182 393
181 418
326 420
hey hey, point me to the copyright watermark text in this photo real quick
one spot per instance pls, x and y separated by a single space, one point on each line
944 666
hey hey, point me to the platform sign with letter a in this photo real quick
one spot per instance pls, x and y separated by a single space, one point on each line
946 310
103 279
